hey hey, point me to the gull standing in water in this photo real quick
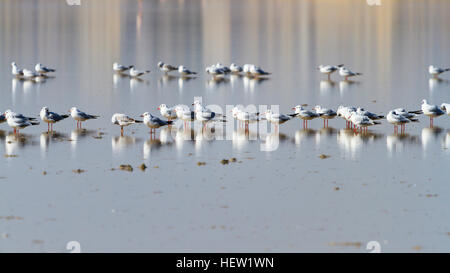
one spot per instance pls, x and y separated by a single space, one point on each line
42 69
15 70
166 68
123 120
214 71
328 69
225 69
396 119
362 122
304 114
185 72
431 111
50 118
325 114
184 113
436 71
153 122
121 68
244 116
258 72
167 112
19 121
345 72
276 118
235 69
409 115
137 73
362 112
80 116
28 74
345 113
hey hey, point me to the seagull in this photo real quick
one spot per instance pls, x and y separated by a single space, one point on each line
121 68
345 72
19 121
361 121
244 116
446 107
28 74
328 69
362 112
235 69
214 71
325 113
15 70
137 73
246 69
80 116
123 120
409 115
50 117
203 114
166 68
431 111
17 115
225 69
396 119
304 114
184 113
168 113
42 69
276 118
345 113
435 71
154 122
257 72
185 72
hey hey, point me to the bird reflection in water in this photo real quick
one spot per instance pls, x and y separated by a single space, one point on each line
272 141
251 82
346 85
435 83
79 134
215 82
182 81
326 87
351 142
430 136
16 142
398 142
47 138
242 137
303 135
120 143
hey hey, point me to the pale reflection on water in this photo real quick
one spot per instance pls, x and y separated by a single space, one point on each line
281 199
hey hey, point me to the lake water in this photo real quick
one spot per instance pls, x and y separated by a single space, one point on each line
378 186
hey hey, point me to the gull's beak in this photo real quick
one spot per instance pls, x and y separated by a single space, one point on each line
293 108
141 116
192 104
157 108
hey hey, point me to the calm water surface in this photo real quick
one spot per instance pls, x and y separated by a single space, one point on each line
378 186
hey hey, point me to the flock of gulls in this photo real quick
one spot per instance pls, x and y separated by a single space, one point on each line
356 118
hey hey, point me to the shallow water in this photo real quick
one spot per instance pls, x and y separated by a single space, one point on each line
374 187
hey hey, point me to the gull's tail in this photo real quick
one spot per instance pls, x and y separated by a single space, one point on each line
138 121
376 122
417 112
33 122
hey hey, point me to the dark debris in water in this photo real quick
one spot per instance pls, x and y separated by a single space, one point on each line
201 163
323 156
78 171
126 167
8 156
224 161
142 167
